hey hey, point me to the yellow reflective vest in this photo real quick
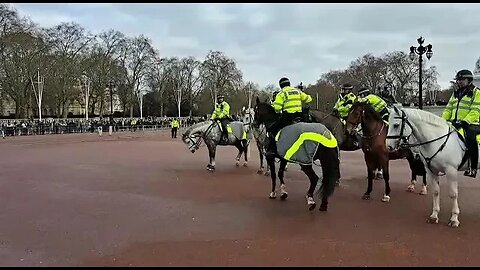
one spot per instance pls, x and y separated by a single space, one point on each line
344 103
290 100
222 110
375 101
175 123
466 109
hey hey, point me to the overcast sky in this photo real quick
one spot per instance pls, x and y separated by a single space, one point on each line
300 41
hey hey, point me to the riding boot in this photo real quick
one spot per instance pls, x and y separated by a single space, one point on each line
472 149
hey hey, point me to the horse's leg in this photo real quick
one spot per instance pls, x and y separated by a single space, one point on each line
453 194
245 150
211 154
312 176
271 163
260 153
413 181
436 198
424 186
386 179
281 173
370 175
239 146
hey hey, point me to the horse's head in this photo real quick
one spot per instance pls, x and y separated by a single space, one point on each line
193 137
399 129
264 113
361 112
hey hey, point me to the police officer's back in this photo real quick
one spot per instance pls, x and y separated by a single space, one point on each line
380 106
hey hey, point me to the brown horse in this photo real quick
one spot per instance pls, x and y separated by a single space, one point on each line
373 143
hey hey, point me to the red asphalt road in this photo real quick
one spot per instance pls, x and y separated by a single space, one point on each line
140 199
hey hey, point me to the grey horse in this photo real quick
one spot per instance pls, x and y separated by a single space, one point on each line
209 131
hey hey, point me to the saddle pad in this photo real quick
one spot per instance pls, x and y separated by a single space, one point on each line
298 142
237 129
462 135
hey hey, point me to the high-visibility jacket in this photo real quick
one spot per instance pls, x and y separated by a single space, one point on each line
222 110
344 103
290 100
466 109
175 123
376 102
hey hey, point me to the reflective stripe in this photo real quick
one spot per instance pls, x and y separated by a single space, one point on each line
311 136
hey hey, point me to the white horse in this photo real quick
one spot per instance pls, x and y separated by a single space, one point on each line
211 133
441 150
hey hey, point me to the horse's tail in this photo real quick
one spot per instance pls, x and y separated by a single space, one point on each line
331 170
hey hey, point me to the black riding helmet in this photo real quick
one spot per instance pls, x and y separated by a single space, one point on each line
346 87
464 74
284 82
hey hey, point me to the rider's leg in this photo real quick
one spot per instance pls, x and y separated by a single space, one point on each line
472 148
223 122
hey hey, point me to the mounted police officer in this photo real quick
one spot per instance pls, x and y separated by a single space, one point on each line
222 113
375 101
387 96
289 103
344 101
463 111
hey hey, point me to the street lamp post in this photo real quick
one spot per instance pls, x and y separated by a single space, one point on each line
86 83
420 50
110 86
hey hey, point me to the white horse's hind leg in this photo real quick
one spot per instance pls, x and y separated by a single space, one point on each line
436 198
453 194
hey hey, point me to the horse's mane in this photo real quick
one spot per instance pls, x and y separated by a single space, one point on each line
194 127
368 108
426 117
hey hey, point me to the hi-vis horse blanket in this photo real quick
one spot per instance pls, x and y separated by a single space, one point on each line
298 142
238 129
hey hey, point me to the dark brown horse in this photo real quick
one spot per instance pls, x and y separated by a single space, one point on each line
373 143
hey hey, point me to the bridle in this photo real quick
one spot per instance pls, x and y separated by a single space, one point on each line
403 140
196 139
362 118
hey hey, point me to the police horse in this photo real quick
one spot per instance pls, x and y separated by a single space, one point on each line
259 132
303 143
210 132
441 148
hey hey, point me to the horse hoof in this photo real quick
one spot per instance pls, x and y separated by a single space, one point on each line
259 171
272 195
284 196
386 198
366 197
411 188
286 169
423 191
454 223
237 164
312 206
245 164
337 183
432 220
323 208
